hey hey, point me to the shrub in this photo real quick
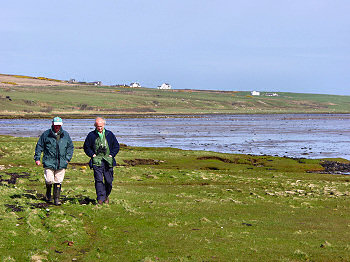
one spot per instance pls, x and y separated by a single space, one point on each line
9 83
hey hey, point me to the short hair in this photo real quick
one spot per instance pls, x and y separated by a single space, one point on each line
100 118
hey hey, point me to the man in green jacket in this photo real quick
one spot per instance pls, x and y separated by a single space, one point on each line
57 147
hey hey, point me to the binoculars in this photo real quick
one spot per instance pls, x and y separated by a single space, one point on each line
101 150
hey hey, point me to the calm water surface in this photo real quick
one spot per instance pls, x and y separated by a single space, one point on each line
293 135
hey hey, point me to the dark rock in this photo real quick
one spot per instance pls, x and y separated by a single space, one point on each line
334 166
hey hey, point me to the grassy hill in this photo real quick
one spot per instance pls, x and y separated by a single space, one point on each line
68 100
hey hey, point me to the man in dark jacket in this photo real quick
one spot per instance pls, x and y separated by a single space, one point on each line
57 147
102 146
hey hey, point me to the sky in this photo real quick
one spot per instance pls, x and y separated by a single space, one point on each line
298 46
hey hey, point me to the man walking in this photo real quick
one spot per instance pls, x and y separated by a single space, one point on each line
102 146
57 147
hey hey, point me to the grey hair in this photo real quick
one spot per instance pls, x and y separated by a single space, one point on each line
100 118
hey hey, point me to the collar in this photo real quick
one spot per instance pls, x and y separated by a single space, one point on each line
60 132
101 135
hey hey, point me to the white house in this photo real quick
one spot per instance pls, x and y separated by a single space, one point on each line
255 93
97 83
164 86
134 85
271 94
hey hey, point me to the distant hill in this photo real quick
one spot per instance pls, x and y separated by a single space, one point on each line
31 97
14 80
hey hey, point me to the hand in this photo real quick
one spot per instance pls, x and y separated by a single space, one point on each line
37 162
110 155
93 155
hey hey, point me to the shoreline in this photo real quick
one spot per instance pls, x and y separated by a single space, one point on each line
207 151
160 115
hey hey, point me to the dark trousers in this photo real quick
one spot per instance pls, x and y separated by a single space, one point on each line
103 188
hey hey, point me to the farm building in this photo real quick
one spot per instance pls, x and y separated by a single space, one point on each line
135 84
164 86
271 94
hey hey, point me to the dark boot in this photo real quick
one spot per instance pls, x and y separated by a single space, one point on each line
48 196
56 194
106 200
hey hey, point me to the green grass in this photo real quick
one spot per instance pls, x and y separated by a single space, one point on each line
84 101
175 205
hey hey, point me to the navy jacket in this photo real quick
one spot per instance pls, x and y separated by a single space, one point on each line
90 148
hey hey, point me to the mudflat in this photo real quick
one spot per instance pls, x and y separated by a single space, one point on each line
290 135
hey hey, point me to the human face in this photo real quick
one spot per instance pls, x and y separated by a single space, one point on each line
99 124
56 128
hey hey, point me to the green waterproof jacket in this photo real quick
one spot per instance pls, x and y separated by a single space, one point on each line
57 153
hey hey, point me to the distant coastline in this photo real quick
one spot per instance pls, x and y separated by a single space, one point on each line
25 97
123 116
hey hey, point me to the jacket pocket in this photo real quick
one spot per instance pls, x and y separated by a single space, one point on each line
63 163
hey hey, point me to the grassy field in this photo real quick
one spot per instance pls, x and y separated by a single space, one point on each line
84 101
174 205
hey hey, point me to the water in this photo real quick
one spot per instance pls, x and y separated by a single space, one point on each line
293 135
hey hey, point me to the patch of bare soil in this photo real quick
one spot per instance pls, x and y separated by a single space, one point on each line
210 168
39 205
12 80
86 201
79 164
14 208
225 160
13 179
132 110
139 161
307 104
25 195
82 200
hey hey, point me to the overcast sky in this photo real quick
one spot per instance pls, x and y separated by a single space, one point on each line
267 45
